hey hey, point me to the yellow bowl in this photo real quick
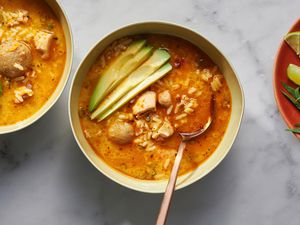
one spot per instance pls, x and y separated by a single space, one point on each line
60 14
212 52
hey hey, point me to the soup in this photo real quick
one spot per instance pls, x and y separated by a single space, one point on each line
140 138
32 58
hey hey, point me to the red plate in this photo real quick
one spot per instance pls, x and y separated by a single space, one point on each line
285 56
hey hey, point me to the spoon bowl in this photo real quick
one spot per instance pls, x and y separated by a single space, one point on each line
190 135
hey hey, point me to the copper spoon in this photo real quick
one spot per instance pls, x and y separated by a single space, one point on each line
165 205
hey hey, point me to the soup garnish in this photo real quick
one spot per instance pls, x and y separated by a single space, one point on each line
118 70
152 64
136 90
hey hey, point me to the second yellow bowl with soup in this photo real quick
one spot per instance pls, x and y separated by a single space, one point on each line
36 53
137 88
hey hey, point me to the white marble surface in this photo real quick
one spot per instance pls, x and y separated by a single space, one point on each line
45 179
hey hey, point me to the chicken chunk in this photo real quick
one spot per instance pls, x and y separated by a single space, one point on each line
145 103
121 132
164 98
15 58
43 41
166 130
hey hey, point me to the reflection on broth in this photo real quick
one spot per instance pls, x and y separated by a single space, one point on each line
141 138
32 57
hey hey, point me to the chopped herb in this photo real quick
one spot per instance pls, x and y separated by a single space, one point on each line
294 101
297 93
294 98
50 26
295 130
294 92
1 89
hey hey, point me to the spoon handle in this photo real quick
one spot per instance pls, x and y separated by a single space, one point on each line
162 216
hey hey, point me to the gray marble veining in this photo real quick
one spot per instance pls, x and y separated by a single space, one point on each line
45 179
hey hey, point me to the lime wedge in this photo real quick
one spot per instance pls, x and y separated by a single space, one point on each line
293 73
293 40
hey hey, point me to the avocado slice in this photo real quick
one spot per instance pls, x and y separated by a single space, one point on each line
138 89
111 74
159 57
131 65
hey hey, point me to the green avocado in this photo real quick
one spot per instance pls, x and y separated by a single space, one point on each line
131 65
138 89
158 58
112 73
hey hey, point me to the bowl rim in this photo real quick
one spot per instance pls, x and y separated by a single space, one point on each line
42 111
167 23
